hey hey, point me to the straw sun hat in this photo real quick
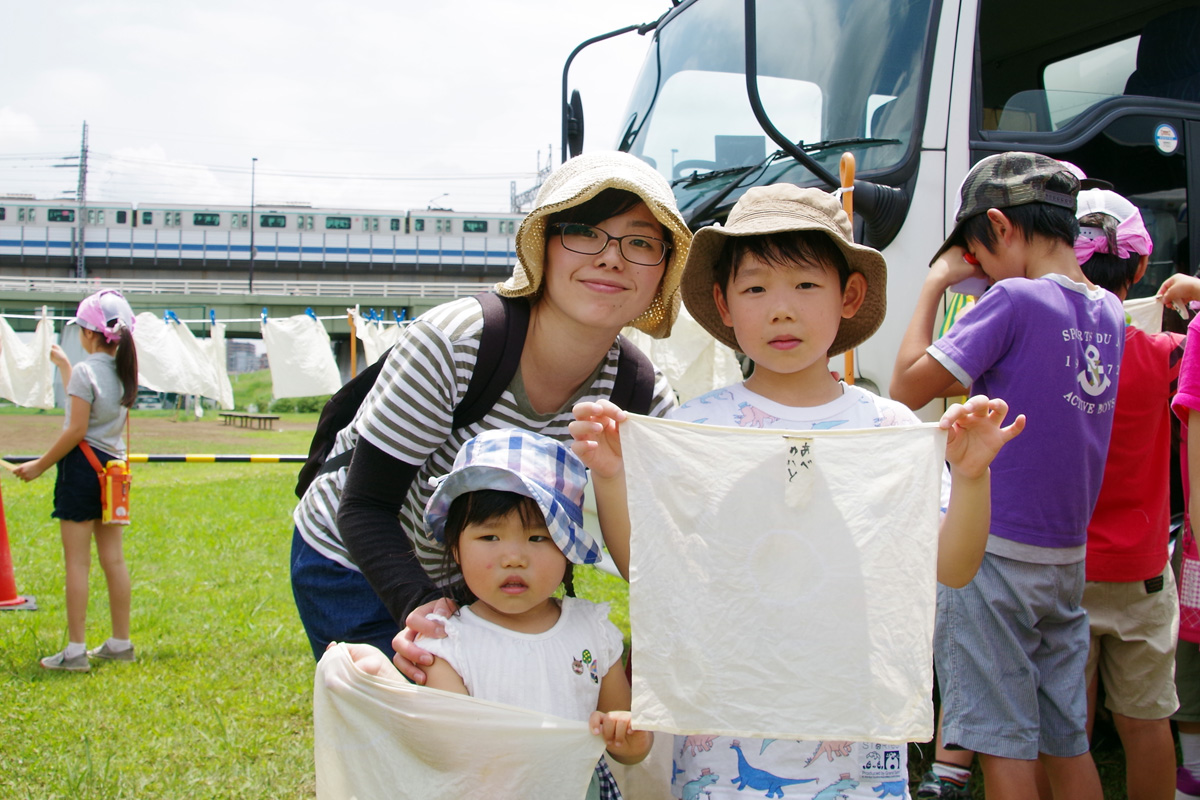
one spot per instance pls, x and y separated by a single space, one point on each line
579 180
784 208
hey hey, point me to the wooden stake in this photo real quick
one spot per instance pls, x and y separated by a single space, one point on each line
846 173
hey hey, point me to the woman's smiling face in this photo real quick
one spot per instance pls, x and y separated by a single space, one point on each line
604 290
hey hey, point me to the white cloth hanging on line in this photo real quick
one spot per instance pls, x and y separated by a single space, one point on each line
215 351
384 737
300 356
172 359
376 336
814 553
1146 313
26 372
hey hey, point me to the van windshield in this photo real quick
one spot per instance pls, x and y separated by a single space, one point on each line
835 75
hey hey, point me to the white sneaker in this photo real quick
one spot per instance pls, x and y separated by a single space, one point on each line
106 653
59 660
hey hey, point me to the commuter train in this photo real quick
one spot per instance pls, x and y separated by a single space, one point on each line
286 236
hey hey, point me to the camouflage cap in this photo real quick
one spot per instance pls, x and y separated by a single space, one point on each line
1004 180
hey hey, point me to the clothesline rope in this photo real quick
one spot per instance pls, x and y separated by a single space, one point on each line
182 321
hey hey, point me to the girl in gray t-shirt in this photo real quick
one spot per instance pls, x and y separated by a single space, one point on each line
100 391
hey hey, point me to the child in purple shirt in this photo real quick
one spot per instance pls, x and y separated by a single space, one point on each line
1011 647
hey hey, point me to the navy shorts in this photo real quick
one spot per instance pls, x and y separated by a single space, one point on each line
77 487
336 603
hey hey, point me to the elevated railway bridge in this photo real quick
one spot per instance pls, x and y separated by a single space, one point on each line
196 300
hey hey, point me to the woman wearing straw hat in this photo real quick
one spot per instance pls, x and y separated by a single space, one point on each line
603 248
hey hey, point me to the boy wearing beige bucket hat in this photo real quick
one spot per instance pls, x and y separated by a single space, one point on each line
783 282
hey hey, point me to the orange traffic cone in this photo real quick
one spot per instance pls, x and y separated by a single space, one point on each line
9 599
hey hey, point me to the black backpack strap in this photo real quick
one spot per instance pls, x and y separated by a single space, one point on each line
342 459
337 413
505 323
633 389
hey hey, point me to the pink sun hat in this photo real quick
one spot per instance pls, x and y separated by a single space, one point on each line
106 312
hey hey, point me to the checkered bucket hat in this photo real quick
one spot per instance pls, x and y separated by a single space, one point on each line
528 464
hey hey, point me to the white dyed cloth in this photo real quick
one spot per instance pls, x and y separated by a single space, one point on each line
1146 313
693 361
376 337
214 349
172 359
26 372
783 585
300 357
384 737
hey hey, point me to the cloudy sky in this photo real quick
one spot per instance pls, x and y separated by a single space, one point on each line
373 104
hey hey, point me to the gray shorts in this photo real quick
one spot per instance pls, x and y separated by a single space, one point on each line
1010 650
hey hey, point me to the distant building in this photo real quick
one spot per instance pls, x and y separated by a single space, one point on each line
242 356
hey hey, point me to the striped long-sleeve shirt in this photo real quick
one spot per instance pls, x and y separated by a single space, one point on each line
408 416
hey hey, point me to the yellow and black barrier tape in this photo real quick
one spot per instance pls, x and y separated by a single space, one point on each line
193 458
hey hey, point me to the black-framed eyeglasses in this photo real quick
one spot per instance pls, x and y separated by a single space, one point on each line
589 240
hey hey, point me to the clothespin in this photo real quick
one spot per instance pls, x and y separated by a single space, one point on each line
169 316
264 315
311 313
403 314
399 316
212 317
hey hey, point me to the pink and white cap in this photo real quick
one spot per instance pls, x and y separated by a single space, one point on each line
106 312
1132 236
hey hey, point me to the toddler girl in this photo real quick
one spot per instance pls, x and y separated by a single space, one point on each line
510 516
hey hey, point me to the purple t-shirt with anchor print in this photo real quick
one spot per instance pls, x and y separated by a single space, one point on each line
1051 348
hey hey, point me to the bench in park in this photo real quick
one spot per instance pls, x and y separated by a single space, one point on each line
244 420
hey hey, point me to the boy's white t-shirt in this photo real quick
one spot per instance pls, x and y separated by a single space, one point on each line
557 672
723 766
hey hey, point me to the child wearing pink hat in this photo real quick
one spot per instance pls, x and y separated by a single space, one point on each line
101 390
1130 596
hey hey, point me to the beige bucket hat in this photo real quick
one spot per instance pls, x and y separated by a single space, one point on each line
783 208
579 180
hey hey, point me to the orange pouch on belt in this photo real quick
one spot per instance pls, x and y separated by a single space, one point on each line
114 487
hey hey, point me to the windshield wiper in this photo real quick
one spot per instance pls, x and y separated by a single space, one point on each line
720 196
831 143
697 177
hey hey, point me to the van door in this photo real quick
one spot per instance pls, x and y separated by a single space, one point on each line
1113 90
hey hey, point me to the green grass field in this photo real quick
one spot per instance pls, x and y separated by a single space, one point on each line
219 703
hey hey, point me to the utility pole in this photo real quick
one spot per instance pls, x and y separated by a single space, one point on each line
253 164
81 196
517 202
